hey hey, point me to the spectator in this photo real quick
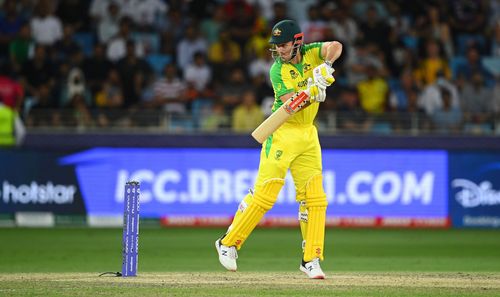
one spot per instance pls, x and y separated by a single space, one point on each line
432 64
96 68
10 24
216 120
173 26
45 26
129 67
431 97
280 11
351 116
468 21
433 26
12 130
476 100
99 9
375 30
212 27
360 57
231 91
65 47
240 20
399 99
473 65
314 28
446 118
108 24
37 78
262 88
258 44
224 53
260 66
343 27
247 115
170 92
373 92
412 117
75 97
198 74
21 48
147 12
11 92
117 46
109 99
360 9
189 45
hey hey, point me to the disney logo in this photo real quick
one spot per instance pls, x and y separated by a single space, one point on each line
473 195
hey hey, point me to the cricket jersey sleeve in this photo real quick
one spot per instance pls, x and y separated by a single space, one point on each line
313 50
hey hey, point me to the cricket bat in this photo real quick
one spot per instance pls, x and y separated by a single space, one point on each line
277 118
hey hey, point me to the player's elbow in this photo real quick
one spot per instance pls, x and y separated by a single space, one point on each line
337 46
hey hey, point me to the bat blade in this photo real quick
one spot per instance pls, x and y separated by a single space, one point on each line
273 122
277 118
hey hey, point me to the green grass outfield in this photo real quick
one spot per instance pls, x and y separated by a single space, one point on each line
183 262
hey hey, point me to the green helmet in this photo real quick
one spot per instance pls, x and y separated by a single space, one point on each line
285 31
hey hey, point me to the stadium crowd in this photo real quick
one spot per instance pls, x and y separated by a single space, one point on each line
203 65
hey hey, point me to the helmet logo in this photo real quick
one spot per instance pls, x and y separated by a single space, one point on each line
277 32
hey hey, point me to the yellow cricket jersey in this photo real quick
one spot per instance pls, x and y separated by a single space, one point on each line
288 77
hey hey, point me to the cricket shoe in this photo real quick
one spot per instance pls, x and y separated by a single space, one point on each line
312 269
227 255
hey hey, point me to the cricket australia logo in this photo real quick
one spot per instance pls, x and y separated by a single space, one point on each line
307 67
278 155
294 74
277 32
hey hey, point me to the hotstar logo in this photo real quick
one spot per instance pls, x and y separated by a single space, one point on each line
35 193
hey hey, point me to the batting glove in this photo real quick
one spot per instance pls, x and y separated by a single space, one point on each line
312 90
323 77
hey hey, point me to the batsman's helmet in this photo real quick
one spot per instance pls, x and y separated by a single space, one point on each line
283 32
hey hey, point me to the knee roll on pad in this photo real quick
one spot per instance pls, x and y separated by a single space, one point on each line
265 196
315 195
263 200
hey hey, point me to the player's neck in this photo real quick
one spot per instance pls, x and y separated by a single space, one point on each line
296 59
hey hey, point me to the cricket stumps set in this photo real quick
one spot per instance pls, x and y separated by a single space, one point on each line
131 229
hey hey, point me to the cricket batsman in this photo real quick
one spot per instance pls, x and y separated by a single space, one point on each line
299 70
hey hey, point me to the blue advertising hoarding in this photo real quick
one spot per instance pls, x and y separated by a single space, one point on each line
475 189
211 182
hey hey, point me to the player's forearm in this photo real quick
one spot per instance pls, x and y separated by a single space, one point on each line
333 51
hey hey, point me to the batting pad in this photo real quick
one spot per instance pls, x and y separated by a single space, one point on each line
241 208
263 200
315 235
316 204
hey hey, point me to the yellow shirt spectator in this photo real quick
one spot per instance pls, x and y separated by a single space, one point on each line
248 115
428 71
224 50
373 94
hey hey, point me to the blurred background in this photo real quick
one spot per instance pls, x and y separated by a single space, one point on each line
203 66
95 93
